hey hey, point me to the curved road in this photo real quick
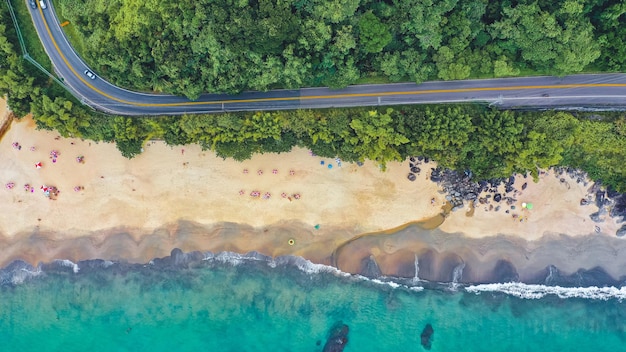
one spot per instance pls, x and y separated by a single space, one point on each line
578 91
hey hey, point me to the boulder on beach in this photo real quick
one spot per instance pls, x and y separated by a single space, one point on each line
411 177
595 217
621 232
427 336
337 338
497 197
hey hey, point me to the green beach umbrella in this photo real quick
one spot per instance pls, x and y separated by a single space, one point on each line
529 206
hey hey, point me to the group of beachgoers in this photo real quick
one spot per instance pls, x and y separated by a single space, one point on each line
267 195
51 192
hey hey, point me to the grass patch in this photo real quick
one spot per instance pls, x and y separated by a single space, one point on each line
373 79
74 37
31 39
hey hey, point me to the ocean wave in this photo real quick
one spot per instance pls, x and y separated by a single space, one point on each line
306 266
18 272
67 263
527 291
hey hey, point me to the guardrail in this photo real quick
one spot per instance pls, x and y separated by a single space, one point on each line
25 53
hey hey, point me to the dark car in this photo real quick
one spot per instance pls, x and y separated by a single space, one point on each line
90 74
33 4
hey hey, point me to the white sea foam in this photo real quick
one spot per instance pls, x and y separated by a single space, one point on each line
305 266
231 258
22 275
313 268
388 283
539 291
68 263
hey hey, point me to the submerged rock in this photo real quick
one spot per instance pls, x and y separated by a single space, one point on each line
337 338
427 336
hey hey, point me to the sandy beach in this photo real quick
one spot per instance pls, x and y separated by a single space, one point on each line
112 207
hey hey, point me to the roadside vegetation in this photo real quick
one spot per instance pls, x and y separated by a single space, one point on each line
31 39
190 47
489 142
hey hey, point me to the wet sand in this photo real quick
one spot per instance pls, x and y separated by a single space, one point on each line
186 198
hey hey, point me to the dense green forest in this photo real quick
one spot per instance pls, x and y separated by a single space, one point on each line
490 142
190 47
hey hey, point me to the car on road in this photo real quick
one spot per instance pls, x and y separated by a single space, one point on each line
90 74
42 4
33 4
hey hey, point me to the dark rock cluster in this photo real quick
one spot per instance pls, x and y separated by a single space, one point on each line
426 336
414 167
460 188
576 175
337 338
609 202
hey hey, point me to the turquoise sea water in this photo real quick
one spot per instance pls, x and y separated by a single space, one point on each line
256 306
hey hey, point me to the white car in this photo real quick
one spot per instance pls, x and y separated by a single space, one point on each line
42 4
90 74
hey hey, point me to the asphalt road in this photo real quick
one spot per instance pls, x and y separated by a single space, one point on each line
577 91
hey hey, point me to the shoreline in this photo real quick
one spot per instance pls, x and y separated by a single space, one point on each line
492 259
359 218
552 261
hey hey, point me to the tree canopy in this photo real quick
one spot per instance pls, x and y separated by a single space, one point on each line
232 45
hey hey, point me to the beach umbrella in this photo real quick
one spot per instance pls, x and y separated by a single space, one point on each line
529 206
38 165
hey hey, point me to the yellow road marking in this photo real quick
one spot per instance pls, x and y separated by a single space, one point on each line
317 97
